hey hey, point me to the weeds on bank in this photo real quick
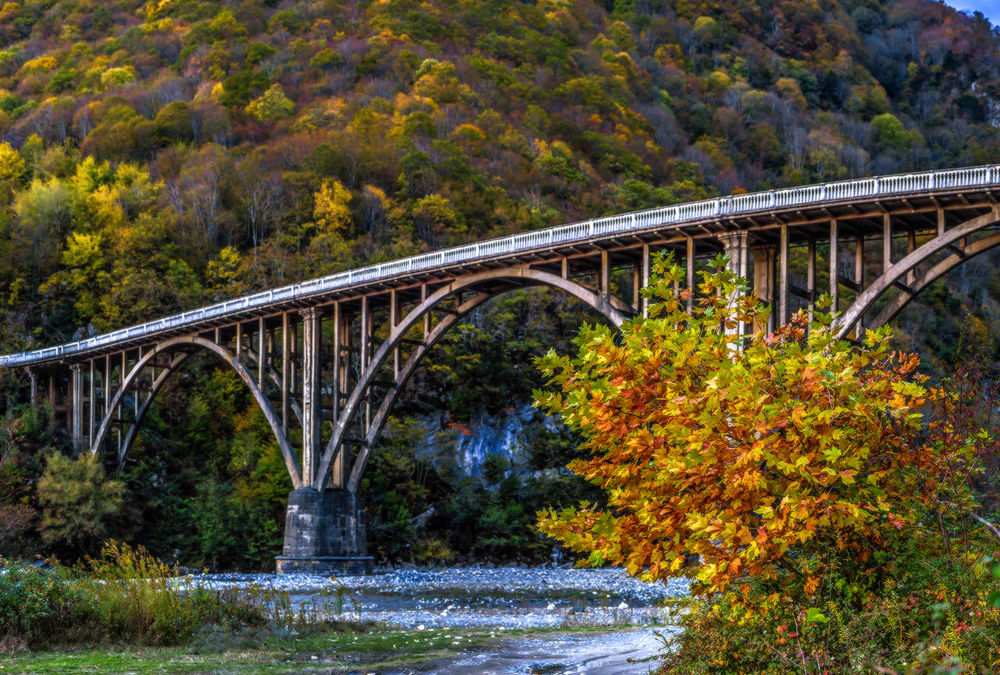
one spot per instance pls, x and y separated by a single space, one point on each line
125 595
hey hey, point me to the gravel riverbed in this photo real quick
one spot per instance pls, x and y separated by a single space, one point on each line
456 597
629 615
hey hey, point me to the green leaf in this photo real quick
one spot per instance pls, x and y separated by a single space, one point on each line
814 615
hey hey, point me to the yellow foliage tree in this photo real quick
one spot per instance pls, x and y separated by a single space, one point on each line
272 105
332 206
788 459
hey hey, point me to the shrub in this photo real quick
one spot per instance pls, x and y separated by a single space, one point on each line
816 490
947 626
78 500
133 597
36 603
128 597
793 460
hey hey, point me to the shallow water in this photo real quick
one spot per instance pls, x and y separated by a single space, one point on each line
622 652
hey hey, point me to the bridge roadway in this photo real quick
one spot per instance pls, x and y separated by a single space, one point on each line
340 348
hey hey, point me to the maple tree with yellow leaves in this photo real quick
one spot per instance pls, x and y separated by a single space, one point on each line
794 460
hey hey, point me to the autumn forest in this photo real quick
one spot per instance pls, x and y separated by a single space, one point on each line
157 156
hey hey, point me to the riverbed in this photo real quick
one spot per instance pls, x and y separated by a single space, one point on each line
605 621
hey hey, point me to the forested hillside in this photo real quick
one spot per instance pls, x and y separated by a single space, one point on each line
161 155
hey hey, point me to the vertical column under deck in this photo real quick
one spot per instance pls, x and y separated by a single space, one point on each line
834 267
783 276
91 412
689 270
763 279
859 277
735 246
52 401
76 406
811 280
644 280
311 403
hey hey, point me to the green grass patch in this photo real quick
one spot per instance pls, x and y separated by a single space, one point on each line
322 648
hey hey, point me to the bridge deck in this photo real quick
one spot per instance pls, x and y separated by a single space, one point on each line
858 204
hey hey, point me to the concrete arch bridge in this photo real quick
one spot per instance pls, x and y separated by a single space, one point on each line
340 348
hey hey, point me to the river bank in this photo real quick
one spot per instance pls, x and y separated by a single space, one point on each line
454 621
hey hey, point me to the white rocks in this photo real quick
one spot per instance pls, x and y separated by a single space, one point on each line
476 596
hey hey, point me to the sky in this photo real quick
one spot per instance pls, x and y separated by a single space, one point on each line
990 8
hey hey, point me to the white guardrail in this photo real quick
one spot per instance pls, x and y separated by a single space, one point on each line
972 177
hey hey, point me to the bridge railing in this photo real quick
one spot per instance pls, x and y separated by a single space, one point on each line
721 207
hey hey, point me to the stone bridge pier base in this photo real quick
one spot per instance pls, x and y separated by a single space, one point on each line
324 534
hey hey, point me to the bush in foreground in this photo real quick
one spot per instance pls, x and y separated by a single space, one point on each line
794 477
948 625
126 597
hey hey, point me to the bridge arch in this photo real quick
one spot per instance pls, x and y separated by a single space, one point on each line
897 304
611 307
180 349
904 275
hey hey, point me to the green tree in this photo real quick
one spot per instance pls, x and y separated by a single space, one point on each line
231 533
890 132
435 219
272 105
78 501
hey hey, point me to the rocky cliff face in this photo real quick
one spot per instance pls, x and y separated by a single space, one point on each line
466 447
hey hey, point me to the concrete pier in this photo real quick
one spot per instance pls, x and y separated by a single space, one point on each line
324 534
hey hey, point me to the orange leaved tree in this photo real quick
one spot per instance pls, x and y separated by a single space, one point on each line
793 460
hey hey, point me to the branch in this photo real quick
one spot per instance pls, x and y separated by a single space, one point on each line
993 528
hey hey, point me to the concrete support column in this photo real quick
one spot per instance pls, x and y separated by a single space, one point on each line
604 276
261 352
811 280
324 534
644 279
886 242
763 272
783 276
735 246
689 273
33 377
764 258
285 381
393 322
106 381
76 407
91 408
365 347
341 369
859 279
834 267
53 400
311 408
911 246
